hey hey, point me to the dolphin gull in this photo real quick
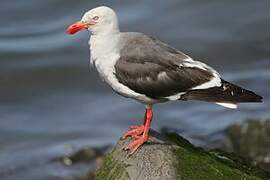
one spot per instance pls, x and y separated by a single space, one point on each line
145 69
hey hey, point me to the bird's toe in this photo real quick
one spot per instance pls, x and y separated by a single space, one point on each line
134 132
135 145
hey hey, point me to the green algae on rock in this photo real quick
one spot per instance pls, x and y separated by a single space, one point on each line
169 156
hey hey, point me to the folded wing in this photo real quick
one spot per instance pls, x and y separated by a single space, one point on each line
150 67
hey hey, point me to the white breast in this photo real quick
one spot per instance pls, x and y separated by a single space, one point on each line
104 54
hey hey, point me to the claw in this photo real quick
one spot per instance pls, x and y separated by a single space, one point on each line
134 146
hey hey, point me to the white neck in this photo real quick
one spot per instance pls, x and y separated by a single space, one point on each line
103 44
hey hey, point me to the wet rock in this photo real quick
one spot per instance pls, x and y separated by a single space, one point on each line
170 156
252 140
85 155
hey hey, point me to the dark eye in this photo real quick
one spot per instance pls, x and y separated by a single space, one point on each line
95 18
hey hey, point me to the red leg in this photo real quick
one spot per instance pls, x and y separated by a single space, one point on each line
140 140
135 131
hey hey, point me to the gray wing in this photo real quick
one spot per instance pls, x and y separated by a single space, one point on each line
150 67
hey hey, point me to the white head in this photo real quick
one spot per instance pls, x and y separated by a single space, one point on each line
100 20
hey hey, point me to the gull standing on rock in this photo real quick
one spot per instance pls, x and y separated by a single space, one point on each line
145 69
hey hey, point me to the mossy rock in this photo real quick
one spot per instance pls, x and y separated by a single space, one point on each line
252 140
170 156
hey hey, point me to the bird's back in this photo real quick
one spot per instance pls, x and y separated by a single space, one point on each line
151 67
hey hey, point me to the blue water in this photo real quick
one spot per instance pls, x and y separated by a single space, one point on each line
52 103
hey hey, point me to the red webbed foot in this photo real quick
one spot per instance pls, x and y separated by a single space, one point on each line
139 133
135 144
134 132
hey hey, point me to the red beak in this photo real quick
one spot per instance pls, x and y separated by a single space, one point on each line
76 27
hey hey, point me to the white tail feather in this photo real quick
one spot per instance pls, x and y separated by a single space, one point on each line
228 105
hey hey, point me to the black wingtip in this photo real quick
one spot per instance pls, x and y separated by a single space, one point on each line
228 92
249 96
253 97
259 98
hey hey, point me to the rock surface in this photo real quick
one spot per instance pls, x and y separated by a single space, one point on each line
172 157
252 140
